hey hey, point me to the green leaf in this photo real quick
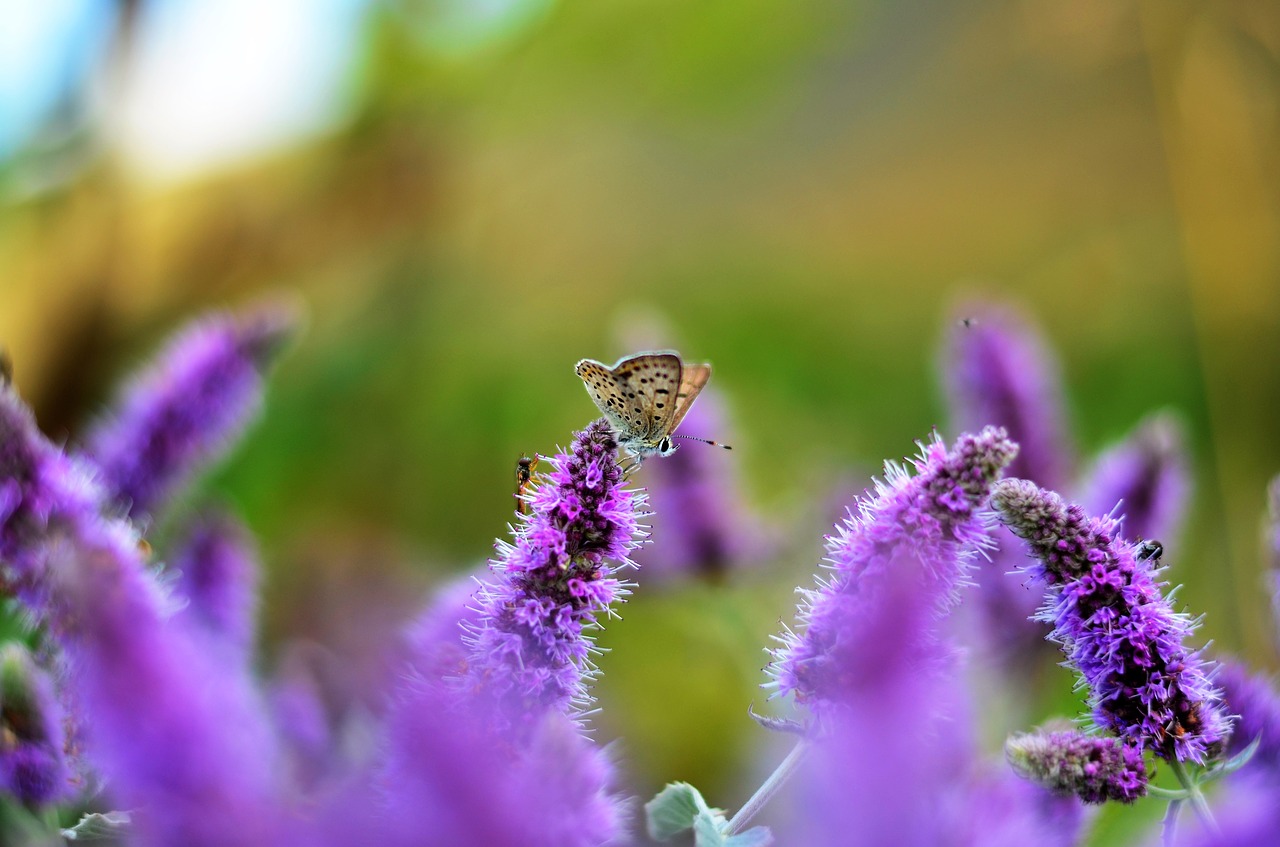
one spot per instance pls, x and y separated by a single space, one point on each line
757 836
708 829
673 811
1233 764
98 826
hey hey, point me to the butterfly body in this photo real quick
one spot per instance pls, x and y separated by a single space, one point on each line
644 397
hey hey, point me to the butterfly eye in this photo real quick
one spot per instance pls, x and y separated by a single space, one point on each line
665 447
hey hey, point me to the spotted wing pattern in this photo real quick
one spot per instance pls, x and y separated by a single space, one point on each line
637 395
692 379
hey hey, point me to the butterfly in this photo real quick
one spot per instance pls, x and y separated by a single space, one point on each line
644 397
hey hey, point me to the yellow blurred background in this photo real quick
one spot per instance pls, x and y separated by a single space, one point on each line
470 196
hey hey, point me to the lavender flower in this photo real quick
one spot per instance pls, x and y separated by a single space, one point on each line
700 524
36 479
448 780
1147 475
184 412
1069 762
928 526
1116 628
33 767
177 735
897 766
886 754
1254 699
217 574
999 370
530 651
1000 810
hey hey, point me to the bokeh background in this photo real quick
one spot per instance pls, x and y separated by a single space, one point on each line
470 195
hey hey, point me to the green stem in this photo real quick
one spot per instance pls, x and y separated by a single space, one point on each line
1194 795
768 788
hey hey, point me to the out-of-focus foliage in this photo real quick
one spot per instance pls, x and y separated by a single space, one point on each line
801 189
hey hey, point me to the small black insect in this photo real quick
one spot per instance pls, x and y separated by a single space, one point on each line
524 473
1150 549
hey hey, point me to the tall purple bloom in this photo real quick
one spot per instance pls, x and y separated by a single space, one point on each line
700 524
999 370
530 650
36 480
896 766
217 573
1147 475
182 414
1255 700
929 525
1092 767
177 736
449 780
33 766
1116 628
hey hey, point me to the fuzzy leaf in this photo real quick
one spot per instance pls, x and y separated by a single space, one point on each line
673 811
1235 763
96 826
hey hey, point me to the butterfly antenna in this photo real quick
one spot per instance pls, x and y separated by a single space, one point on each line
704 441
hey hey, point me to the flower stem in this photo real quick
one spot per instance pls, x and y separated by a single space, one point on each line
768 788
1194 795
1169 827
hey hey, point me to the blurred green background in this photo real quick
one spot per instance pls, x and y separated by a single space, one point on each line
470 196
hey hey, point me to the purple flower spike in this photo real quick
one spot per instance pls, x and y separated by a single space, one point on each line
929 525
36 480
1147 476
700 525
1116 628
33 767
178 736
1094 768
217 574
188 408
999 372
530 650
449 780
1257 703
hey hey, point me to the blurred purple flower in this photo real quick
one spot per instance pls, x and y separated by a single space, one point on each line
999 810
449 780
999 370
701 527
1069 762
217 574
176 734
1256 702
930 526
36 480
530 650
897 767
185 411
33 766
1116 628
435 649
877 770
1147 475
